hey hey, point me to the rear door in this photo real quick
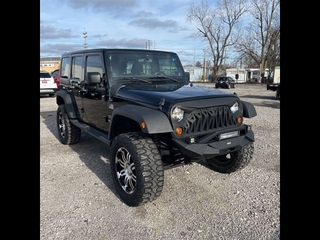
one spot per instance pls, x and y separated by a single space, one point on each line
70 72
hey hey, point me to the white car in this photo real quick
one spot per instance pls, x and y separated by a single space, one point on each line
47 84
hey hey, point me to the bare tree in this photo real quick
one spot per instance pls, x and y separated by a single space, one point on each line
262 43
216 25
198 64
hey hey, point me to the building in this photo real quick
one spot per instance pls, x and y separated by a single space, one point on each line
195 73
242 74
49 64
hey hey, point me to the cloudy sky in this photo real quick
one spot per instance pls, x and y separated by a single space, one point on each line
118 24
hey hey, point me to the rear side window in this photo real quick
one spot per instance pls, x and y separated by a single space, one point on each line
76 71
65 67
45 75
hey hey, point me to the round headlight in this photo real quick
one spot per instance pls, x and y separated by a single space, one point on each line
177 114
234 107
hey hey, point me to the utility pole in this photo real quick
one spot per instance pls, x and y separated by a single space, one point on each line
148 44
85 45
204 66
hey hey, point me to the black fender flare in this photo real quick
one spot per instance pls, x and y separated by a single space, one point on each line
63 97
156 121
249 110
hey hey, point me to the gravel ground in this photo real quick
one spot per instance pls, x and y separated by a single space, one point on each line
78 199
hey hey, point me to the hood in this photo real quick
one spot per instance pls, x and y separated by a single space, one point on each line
150 94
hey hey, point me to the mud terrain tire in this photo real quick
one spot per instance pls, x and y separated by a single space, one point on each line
232 162
67 132
136 168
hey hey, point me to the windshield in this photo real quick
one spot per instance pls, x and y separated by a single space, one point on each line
151 65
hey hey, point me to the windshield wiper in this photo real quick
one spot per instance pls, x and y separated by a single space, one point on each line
164 77
133 79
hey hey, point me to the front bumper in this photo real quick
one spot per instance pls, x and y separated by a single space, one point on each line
198 151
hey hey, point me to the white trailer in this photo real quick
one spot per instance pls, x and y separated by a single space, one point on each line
242 74
276 74
276 81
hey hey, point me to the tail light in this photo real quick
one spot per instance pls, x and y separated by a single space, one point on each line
57 79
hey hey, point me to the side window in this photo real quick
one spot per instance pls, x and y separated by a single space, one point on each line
76 72
65 67
94 64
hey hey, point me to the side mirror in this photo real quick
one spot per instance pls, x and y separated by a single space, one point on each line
187 75
92 78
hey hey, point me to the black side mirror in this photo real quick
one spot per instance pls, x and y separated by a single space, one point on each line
93 78
187 75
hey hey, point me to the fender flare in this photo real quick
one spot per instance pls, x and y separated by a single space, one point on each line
249 110
63 97
156 121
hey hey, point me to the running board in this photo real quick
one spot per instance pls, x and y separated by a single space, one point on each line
90 130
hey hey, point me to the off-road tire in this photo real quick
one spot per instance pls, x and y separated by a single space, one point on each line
67 132
233 161
278 93
136 168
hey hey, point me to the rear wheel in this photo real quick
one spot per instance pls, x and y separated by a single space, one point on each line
232 162
67 132
278 93
136 168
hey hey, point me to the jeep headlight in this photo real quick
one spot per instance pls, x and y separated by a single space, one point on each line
177 114
234 107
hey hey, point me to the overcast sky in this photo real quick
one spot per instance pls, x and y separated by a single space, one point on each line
118 24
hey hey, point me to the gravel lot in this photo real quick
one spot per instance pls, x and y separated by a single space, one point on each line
78 199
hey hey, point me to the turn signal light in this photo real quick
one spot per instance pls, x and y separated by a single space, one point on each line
143 125
178 130
239 120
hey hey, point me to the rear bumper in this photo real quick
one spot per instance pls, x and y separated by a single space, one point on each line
198 151
47 91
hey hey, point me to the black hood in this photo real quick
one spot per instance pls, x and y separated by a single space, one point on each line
149 94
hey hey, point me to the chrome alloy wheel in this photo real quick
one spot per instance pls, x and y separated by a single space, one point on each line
125 170
62 125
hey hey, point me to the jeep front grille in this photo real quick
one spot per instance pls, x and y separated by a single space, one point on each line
211 118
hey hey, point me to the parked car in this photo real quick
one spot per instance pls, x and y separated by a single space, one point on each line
56 76
47 84
225 82
273 86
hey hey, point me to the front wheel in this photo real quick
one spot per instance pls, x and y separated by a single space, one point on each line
233 161
136 168
67 132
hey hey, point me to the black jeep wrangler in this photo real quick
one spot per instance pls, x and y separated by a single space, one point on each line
141 103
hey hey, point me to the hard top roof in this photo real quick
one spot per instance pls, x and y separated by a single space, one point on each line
115 49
